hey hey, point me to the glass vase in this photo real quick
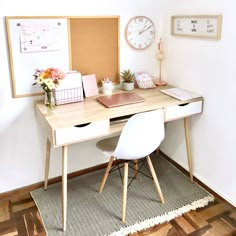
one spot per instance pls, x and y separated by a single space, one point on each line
49 100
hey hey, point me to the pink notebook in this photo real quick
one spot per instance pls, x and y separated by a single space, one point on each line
90 85
120 99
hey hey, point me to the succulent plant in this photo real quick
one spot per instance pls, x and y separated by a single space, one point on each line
127 76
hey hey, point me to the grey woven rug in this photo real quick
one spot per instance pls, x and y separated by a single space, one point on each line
91 213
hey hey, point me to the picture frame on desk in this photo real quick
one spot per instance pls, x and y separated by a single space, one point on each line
197 26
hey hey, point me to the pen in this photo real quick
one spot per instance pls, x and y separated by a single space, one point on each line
106 80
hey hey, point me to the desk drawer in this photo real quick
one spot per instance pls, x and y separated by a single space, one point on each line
178 111
81 132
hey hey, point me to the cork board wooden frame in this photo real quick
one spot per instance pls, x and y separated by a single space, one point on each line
198 26
89 44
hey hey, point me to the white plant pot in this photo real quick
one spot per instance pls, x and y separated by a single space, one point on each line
128 86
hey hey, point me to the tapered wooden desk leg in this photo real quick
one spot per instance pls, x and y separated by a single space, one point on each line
124 195
64 186
47 163
188 146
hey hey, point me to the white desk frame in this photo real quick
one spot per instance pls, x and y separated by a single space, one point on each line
67 116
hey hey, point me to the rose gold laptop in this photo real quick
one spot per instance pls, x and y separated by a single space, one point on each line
120 99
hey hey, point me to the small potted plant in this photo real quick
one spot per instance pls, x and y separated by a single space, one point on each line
128 78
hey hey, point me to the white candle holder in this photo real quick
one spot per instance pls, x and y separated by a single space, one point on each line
107 87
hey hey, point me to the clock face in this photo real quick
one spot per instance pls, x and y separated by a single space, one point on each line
140 32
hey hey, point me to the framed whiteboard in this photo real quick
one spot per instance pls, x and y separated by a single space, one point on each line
202 26
35 44
88 44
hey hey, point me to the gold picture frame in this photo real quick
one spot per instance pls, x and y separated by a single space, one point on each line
199 26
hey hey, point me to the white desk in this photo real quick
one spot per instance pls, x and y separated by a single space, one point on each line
59 125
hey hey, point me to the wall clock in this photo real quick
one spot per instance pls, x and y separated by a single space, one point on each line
140 32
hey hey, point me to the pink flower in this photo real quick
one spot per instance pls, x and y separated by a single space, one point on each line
43 77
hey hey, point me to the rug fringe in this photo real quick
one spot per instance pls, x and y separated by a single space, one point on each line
163 218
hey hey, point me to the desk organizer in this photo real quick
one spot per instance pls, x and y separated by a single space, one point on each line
70 89
65 96
144 81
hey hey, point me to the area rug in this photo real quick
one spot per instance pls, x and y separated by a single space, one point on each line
91 213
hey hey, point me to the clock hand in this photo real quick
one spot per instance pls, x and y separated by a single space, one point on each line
140 32
144 29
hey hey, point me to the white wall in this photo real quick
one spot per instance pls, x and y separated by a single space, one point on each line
207 67
23 142
204 66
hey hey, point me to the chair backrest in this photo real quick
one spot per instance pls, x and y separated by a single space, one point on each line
141 135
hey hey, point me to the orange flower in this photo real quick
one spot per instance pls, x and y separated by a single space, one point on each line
48 79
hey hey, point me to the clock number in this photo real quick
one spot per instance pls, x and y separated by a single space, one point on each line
140 19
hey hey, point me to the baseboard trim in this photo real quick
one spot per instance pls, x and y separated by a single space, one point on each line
29 188
185 172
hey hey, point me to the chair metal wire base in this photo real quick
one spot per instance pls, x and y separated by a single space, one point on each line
119 165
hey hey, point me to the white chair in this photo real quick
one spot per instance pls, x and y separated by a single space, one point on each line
141 135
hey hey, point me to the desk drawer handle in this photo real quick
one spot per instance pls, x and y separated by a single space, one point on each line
182 105
82 125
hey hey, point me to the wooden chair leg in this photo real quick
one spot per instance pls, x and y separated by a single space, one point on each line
106 174
155 178
135 168
124 197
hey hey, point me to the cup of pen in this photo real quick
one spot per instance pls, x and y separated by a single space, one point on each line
107 86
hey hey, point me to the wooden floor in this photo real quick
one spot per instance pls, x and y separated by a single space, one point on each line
19 216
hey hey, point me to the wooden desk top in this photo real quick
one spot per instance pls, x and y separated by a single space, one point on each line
91 110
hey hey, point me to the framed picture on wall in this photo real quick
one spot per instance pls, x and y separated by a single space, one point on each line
201 26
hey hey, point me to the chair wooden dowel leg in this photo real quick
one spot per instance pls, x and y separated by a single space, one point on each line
135 168
155 178
106 174
124 197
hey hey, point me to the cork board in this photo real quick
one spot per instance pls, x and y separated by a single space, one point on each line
95 47
87 44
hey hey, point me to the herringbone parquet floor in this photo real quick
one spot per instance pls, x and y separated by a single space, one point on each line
19 217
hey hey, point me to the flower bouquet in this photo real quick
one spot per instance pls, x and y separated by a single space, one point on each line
48 80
